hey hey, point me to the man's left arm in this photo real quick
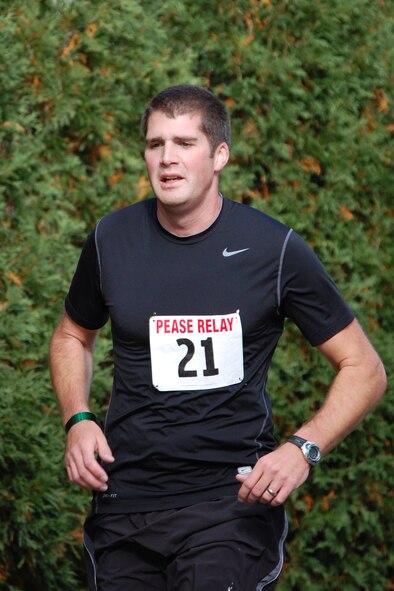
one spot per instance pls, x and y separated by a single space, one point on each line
359 384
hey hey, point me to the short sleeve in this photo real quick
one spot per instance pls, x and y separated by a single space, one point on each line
308 295
84 302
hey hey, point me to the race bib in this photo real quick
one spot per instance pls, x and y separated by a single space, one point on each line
196 352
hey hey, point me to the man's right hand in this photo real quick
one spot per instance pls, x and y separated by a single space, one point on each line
86 442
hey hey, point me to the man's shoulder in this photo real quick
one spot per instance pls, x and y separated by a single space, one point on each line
126 217
254 218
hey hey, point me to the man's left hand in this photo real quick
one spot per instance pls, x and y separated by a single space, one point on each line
274 476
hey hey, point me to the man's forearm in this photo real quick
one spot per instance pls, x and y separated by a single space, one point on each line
359 384
71 363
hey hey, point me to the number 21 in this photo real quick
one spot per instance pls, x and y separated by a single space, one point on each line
210 370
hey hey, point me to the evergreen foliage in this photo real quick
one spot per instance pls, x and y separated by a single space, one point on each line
309 86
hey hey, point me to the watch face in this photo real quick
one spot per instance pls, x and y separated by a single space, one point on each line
312 452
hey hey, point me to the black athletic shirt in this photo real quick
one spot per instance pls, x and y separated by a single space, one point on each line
195 322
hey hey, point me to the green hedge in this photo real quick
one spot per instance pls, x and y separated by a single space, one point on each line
309 86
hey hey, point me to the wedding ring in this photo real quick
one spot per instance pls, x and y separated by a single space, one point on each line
271 492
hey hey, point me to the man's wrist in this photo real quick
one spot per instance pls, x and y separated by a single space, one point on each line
310 449
78 417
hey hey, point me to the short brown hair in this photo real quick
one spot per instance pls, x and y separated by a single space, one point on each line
186 98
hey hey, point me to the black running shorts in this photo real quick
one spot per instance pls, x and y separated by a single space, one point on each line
221 545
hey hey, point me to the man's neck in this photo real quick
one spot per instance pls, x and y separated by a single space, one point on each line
189 223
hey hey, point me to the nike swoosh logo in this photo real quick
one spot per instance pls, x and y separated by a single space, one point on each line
231 253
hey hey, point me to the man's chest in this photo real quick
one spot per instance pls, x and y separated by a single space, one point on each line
191 287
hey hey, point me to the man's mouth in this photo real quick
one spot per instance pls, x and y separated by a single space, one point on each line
170 178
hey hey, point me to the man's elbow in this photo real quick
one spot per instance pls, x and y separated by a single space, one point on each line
378 379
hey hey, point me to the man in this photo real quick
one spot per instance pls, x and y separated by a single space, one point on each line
197 288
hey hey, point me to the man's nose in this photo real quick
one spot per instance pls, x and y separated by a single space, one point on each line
168 154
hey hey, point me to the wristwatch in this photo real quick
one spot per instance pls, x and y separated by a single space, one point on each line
310 450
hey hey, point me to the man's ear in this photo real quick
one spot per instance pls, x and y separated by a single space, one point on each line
221 156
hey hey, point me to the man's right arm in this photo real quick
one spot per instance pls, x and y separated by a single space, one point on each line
71 363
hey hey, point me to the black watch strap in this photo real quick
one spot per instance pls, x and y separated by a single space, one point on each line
299 441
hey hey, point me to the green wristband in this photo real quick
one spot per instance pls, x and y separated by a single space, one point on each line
80 416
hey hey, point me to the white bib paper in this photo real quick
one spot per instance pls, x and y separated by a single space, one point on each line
196 352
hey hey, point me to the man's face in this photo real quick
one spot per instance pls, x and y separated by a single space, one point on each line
182 171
